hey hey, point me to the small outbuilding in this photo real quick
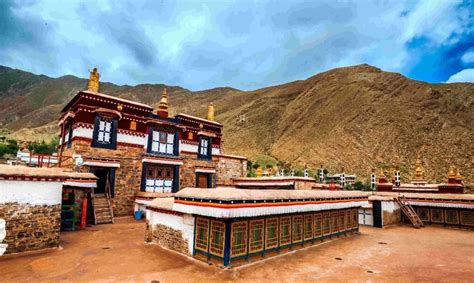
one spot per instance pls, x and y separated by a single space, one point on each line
30 206
230 226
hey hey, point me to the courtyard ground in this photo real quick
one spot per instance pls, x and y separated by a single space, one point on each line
117 252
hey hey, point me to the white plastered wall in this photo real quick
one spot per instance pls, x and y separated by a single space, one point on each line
188 147
31 192
183 223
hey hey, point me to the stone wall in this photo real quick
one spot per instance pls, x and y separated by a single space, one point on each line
30 227
127 177
228 168
169 238
188 169
174 231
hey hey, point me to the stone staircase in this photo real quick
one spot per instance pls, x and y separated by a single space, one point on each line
102 209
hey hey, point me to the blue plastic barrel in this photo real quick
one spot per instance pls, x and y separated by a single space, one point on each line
138 214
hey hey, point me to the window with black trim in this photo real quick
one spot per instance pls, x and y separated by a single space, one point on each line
159 179
205 149
67 135
105 133
162 142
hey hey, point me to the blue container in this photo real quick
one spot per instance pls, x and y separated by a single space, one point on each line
138 215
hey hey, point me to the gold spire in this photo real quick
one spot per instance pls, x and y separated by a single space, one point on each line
381 173
451 173
163 106
458 175
210 112
93 84
418 170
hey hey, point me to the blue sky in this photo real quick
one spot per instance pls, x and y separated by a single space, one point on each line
243 44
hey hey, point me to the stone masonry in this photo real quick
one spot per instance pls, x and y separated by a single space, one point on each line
228 168
127 177
188 169
169 238
30 227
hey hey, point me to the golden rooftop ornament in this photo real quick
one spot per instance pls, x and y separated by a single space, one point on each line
210 112
163 106
451 173
93 84
381 173
418 170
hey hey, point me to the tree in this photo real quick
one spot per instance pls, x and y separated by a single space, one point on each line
10 147
44 147
359 186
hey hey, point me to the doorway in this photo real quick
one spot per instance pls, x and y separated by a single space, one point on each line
105 175
377 213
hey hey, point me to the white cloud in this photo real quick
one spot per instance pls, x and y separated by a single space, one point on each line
466 75
468 57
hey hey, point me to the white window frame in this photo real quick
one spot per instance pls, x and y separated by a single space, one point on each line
159 184
104 131
204 147
162 142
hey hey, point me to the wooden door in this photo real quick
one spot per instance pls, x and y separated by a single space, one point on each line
202 181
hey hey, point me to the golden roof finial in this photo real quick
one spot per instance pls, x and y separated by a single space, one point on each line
93 84
418 170
381 173
163 106
210 112
451 173
458 175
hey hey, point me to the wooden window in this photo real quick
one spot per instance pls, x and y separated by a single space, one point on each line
327 223
451 216
202 231
105 133
297 228
256 235
159 179
437 215
238 239
217 238
424 214
318 225
467 217
340 221
355 218
308 226
285 230
334 217
348 217
205 148
271 233
162 142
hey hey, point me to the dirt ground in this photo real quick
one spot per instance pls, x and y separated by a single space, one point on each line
117 252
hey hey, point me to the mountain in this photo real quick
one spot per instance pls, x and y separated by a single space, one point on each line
356 117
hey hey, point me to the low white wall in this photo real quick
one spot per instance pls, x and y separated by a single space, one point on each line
32 192
183 223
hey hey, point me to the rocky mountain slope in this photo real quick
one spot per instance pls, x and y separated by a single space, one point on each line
356 117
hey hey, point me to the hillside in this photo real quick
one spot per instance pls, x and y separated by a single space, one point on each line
356 117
